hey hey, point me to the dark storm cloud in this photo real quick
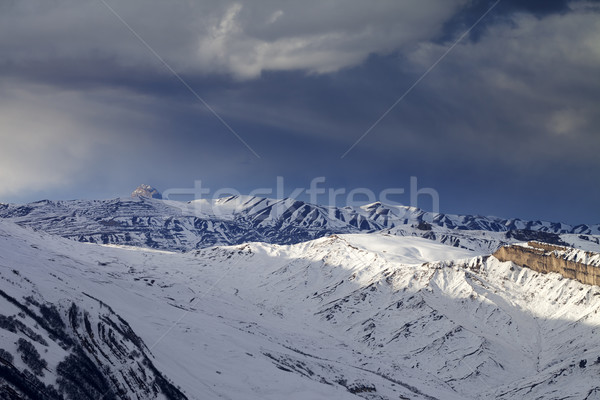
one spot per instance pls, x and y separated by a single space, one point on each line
503 10
536 7
506 124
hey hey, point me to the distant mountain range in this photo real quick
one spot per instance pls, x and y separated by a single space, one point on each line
182 226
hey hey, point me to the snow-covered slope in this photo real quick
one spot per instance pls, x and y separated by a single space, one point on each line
180 226
375 316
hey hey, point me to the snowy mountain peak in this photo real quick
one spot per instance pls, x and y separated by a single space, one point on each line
146 191
380 205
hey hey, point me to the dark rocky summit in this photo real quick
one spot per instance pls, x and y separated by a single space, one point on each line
146 191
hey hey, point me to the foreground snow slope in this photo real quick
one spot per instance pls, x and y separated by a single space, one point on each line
374 316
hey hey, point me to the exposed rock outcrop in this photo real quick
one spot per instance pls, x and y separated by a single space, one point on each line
146 191
571 263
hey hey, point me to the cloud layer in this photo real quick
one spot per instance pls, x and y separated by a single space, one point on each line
242 39
87 110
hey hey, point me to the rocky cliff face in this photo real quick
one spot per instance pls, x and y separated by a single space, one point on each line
542 257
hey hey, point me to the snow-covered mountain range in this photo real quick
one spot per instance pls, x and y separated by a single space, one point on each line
181 226
251 298
375 316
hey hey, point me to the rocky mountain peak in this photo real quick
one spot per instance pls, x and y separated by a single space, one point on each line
146 191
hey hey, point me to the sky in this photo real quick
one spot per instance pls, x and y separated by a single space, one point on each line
495 105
